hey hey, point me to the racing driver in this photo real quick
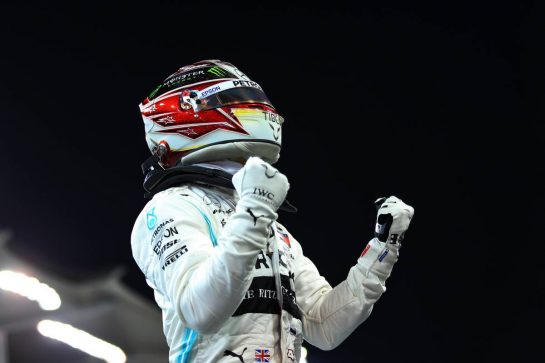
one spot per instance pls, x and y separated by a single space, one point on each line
232 282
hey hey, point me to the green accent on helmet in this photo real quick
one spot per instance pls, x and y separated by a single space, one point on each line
152 94
217 71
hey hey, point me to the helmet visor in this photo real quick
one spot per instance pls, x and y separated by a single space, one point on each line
235 96
226 93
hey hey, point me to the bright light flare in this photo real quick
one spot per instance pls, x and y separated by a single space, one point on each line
82 340
304 354
31 288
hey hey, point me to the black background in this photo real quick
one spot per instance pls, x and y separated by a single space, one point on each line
440 104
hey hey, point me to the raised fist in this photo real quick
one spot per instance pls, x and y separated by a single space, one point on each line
393 219
259 181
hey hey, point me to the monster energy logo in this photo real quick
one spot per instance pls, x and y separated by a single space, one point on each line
217 71
155 91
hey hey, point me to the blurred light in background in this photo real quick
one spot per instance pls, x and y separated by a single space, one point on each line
82 340
31 288
304 354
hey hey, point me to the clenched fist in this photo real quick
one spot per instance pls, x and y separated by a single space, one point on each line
259 181
393 219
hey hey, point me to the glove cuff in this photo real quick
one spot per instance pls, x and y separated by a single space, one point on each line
378 258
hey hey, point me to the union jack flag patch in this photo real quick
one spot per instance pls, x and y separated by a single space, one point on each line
262 355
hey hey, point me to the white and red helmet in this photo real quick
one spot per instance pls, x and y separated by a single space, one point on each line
210 111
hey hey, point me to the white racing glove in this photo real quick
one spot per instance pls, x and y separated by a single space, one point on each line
393 219
260 184
213 283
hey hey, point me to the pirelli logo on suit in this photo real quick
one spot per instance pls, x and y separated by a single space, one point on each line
174 256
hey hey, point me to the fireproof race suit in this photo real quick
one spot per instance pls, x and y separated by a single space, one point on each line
235 286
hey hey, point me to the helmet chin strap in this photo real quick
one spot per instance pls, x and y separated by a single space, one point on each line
217 173
229 166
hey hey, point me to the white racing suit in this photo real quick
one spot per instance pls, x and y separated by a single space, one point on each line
217 272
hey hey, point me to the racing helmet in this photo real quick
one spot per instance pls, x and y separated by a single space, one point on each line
210 111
